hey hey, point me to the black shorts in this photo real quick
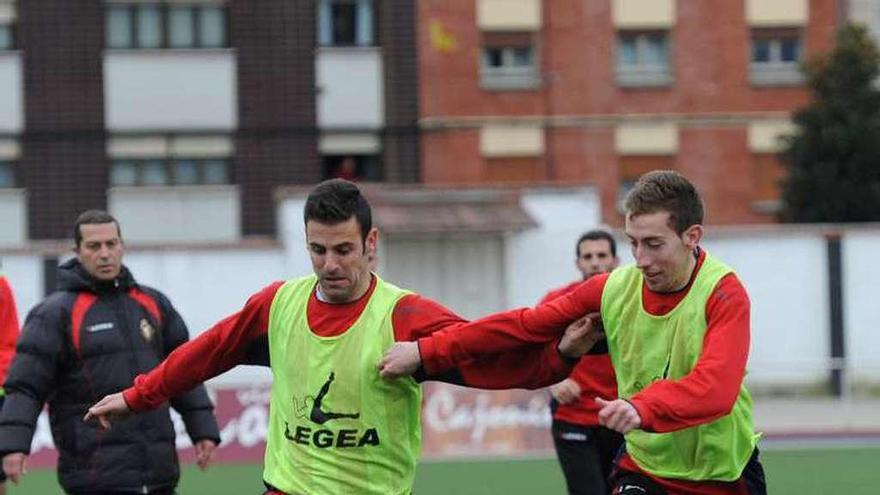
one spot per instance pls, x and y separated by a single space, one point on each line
2 472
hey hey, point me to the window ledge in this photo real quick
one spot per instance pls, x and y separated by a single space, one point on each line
767 206
507 82
761 74
627 79
348 48
168 51
192 188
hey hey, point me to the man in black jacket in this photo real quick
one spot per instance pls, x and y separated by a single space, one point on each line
91 337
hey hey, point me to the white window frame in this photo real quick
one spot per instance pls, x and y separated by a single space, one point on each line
165 34
509 76
364 27
775 72
642 73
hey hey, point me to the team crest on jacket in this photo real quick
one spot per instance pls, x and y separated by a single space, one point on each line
147 330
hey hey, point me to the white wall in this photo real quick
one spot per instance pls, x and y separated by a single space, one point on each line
543 258
786 277
25 275
861 316
11 98
165 90
292 235
350 88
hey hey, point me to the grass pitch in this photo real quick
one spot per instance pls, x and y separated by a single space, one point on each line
807 471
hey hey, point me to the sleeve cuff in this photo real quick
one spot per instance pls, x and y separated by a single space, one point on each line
560 365
431 361
134 400
644 414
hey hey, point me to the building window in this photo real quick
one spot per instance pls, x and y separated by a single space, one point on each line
179 171
7 37
346 23
631 167
509 62
353 167
775 57
643 59
7 174
154 25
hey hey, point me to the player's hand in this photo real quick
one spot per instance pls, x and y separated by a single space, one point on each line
618 415
111 406
15 466
205 452
402 359
565 391
581 336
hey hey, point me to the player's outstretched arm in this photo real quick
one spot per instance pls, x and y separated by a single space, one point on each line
110 407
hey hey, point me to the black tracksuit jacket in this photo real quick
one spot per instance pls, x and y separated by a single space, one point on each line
84 341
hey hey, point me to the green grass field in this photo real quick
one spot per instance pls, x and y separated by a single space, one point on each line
819 471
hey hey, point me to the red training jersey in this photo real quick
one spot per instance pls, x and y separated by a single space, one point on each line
242 338
593 374
9 328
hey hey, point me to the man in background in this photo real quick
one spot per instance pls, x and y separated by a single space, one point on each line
90 337
8 336
585 449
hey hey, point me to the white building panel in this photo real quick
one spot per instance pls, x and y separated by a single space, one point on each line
350 88
176 90
11 96
177 214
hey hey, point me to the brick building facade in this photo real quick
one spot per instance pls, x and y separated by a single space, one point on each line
601 91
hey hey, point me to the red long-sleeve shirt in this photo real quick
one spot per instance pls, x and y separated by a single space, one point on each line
9 328
242 338
593 374
707 393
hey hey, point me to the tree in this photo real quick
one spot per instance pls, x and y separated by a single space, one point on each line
833 159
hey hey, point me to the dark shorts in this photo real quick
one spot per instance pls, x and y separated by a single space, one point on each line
2 473
586 455
629 483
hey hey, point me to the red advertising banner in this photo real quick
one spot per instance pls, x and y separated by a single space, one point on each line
456 421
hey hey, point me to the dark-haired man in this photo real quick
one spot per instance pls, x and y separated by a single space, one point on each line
586 449
677 329
89 338
334 425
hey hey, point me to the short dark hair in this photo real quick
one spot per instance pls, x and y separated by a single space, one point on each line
596 235
91 217
666 190
335 201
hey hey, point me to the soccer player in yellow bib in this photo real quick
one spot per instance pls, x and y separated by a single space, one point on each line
334 425
677 329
